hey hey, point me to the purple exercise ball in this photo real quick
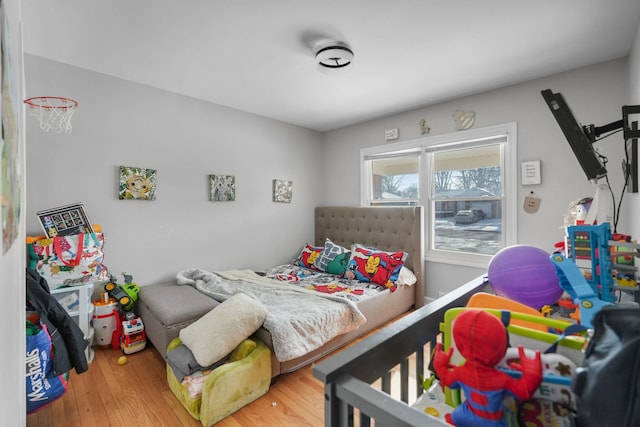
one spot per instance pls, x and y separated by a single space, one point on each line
524 274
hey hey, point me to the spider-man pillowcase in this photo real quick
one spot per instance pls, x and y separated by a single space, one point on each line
375 266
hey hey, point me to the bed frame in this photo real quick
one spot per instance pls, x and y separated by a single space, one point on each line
387 228
377 379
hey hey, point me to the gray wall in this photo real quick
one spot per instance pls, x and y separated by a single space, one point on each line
595 94
121 123
185 140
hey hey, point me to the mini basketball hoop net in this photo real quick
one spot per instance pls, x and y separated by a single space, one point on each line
53 112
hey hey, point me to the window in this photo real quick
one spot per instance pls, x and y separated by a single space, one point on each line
466 181
394 178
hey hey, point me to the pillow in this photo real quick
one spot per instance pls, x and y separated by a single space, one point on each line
338 265
218 332
333 259
308 256
183 363
375 266
406 277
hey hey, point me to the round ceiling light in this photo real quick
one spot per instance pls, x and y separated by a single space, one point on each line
334 59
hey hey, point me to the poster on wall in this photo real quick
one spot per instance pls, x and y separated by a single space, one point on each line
11 162
222 188
282 191
137 183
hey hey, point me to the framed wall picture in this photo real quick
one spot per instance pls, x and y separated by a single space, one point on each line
10 156
137 183
222 188
282 191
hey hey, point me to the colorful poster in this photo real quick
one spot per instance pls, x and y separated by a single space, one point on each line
11 161
137 183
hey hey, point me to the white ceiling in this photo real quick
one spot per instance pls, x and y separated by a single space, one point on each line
257 55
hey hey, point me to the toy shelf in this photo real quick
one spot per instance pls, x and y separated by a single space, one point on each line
608 265
76 300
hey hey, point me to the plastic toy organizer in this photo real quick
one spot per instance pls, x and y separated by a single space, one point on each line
76 300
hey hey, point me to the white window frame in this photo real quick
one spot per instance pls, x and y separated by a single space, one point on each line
432 143
366 190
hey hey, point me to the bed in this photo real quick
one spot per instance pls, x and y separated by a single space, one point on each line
378 380
395 229
386 228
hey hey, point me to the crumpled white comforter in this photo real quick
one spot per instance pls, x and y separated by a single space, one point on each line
299 320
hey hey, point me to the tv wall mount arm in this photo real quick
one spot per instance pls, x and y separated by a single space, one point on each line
594 132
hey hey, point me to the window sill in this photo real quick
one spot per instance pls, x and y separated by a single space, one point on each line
457 258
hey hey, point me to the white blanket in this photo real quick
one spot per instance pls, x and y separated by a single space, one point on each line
299 320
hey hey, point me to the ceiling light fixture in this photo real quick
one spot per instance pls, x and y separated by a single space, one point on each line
334 59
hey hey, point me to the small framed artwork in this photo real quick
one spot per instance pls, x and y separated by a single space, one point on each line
137 183
282 191
223 188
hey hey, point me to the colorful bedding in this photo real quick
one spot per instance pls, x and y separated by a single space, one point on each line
311 279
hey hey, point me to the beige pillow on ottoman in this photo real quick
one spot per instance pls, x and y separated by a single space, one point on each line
218 332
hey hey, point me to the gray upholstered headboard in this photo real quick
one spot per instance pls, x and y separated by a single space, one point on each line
397 228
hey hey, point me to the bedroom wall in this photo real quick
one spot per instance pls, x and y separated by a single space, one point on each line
185 140
595 94
122 123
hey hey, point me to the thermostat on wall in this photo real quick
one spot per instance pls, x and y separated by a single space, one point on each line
391 134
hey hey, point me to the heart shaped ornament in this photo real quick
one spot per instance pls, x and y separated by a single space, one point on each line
464 119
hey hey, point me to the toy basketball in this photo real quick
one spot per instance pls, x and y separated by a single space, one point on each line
524 274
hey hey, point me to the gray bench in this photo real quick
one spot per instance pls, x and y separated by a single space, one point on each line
167 308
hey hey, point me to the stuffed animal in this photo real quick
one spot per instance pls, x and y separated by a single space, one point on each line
482 340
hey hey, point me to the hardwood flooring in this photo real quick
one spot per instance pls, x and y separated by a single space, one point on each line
137 394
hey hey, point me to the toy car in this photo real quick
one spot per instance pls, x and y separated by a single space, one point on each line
125 295
469 216
133 336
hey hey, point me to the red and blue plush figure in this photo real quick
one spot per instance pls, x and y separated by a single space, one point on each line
482 340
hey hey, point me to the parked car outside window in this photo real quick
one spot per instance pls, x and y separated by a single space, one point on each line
469 216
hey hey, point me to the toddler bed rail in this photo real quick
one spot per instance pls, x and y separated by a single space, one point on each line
375 381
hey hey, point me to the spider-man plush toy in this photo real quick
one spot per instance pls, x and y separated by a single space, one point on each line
482 340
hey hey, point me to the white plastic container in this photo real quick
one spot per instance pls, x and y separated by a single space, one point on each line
105 321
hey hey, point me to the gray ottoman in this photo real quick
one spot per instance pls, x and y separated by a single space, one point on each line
167 308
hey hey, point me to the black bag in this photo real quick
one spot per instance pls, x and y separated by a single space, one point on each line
607 387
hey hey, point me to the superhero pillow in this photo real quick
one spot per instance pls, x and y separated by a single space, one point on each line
375 266
333 259
308 256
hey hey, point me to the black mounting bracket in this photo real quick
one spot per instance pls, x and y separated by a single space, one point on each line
593 132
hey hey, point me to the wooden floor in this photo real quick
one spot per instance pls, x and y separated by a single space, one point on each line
137 394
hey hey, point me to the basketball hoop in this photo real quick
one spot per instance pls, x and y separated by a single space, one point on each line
53 112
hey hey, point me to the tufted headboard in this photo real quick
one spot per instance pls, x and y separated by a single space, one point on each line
397 228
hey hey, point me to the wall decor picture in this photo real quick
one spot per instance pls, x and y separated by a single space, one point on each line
223 188
10 159
282 191
137 183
